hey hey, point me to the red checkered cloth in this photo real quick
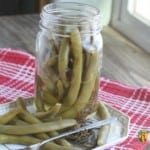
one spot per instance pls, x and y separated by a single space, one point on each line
16 75
17 72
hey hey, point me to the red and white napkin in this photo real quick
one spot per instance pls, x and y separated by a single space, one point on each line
134 102
17 71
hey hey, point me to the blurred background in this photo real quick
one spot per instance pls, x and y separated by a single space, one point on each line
14 7
126 34
8 7
128 17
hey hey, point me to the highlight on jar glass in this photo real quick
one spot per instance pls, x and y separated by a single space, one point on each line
69 59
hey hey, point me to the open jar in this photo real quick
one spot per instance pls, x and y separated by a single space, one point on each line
69 55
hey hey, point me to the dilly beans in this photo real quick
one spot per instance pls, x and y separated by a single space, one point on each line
72 72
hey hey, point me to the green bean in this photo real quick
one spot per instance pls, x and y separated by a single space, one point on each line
17 121
9 116
60 141
48 77
51 74
48 97
21 103
95 90
29 118
86 62
14 139
54 110
60 89
54 146
50 114
86 89
37 101
44 80
51 77
38 128
28 140
43 114
74 88
103 111
91 105
54 49
87 59
63 60
44 93
52 61
39 104
32 119
104 130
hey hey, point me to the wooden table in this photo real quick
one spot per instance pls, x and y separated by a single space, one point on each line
122 60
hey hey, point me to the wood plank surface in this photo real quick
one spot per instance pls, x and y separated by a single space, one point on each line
19 32
122 60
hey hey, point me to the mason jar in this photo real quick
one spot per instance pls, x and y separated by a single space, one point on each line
68 59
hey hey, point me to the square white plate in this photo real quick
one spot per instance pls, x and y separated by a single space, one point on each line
119 129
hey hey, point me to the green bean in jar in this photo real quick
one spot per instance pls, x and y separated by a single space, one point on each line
69 59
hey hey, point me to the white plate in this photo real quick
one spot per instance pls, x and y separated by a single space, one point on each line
119 129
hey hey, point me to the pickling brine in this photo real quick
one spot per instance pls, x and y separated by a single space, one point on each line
69 58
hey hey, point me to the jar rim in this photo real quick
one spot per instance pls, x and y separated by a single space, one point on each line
70 13
51 7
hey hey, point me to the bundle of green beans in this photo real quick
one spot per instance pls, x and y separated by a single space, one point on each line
22 127
70 76
16 127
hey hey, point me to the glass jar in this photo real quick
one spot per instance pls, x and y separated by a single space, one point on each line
69 55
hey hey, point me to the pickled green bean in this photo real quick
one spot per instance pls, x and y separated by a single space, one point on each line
37 101
9 116
63 142
60 89
44 80
74 88
86 89
54 49
104 130
103 111
29 118
14 139
54 146
63 60
21 103
48 98
28 140
50 114
17 121
39 104
38 128
51 74
52 61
